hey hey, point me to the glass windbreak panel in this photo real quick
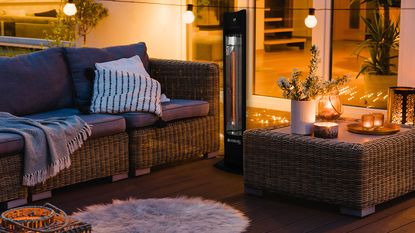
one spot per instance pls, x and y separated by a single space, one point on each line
234 81
29 19
205 37
358 50
282 42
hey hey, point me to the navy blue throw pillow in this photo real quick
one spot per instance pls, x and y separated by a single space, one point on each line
80 59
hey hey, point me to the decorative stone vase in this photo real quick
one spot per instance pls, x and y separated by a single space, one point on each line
303 116
378 84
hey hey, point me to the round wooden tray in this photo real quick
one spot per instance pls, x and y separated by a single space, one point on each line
385 130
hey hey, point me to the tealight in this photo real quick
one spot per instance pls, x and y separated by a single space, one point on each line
326 130
378 120
368 121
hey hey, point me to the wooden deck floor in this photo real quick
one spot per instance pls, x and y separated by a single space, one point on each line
269 214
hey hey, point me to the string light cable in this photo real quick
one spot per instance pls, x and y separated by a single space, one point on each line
239 7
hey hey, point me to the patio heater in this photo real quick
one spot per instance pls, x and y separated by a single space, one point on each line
234 90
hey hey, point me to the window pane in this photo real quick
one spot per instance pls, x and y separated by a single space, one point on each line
282 42
27 20
205 42
356 48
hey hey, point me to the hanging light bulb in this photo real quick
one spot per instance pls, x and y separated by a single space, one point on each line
69 9
188 16
311 20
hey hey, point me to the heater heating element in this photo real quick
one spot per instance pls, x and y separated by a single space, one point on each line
234 85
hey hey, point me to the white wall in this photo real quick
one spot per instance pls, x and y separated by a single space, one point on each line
321 35
259 24
406 67
159 25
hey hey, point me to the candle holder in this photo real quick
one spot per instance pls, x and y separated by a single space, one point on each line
329 107
326 130
378 120
368 121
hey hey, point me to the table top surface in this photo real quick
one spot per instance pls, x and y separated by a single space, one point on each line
346 136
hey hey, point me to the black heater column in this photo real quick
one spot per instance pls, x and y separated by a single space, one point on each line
234 62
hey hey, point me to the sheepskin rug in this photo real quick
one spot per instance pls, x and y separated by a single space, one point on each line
178 215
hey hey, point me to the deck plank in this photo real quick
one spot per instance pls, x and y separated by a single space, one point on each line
271 213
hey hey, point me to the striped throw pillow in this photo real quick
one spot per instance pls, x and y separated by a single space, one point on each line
119 91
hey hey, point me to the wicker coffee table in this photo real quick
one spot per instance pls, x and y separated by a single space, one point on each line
355 172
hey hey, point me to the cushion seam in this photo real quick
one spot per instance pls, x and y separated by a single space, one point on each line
188 106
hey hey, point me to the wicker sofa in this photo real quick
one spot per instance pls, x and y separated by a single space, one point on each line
52 83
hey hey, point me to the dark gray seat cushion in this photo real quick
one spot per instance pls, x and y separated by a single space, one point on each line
177 109
139 119
35 82
82 59
105 125
102 124
174 110
10 144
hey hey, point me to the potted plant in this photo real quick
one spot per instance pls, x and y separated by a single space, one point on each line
382 42
303 94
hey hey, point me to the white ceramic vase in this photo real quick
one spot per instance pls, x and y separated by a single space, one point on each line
303 116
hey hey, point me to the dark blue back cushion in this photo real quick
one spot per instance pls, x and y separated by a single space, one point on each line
82 59
35 82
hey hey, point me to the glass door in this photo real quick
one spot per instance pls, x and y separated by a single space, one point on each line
282 42
365 46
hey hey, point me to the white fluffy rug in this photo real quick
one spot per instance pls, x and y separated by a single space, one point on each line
179 215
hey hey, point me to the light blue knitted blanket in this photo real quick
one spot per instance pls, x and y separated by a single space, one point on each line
48 143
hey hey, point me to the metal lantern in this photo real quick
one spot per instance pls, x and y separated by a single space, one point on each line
401 105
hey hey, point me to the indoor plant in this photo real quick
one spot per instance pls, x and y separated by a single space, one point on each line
382 42
304 93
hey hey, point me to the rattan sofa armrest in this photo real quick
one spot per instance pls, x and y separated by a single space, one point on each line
188 80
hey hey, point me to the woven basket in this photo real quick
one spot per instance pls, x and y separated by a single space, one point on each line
43 219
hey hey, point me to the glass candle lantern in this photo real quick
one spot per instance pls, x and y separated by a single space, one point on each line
378 120
329 107
368 121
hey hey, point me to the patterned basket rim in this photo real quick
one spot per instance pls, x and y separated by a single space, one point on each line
55 221
5 214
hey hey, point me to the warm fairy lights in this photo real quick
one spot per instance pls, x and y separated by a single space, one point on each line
263 118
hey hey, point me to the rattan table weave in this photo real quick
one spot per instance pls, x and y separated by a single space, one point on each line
355 172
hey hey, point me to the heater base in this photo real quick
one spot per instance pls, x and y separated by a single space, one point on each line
227 168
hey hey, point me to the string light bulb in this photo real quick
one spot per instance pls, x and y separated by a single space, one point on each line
188 16
69 9
311 20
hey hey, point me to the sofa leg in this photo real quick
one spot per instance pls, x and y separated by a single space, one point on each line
119 177
253 192
211 155
41 196
143 171
358 212
14 203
